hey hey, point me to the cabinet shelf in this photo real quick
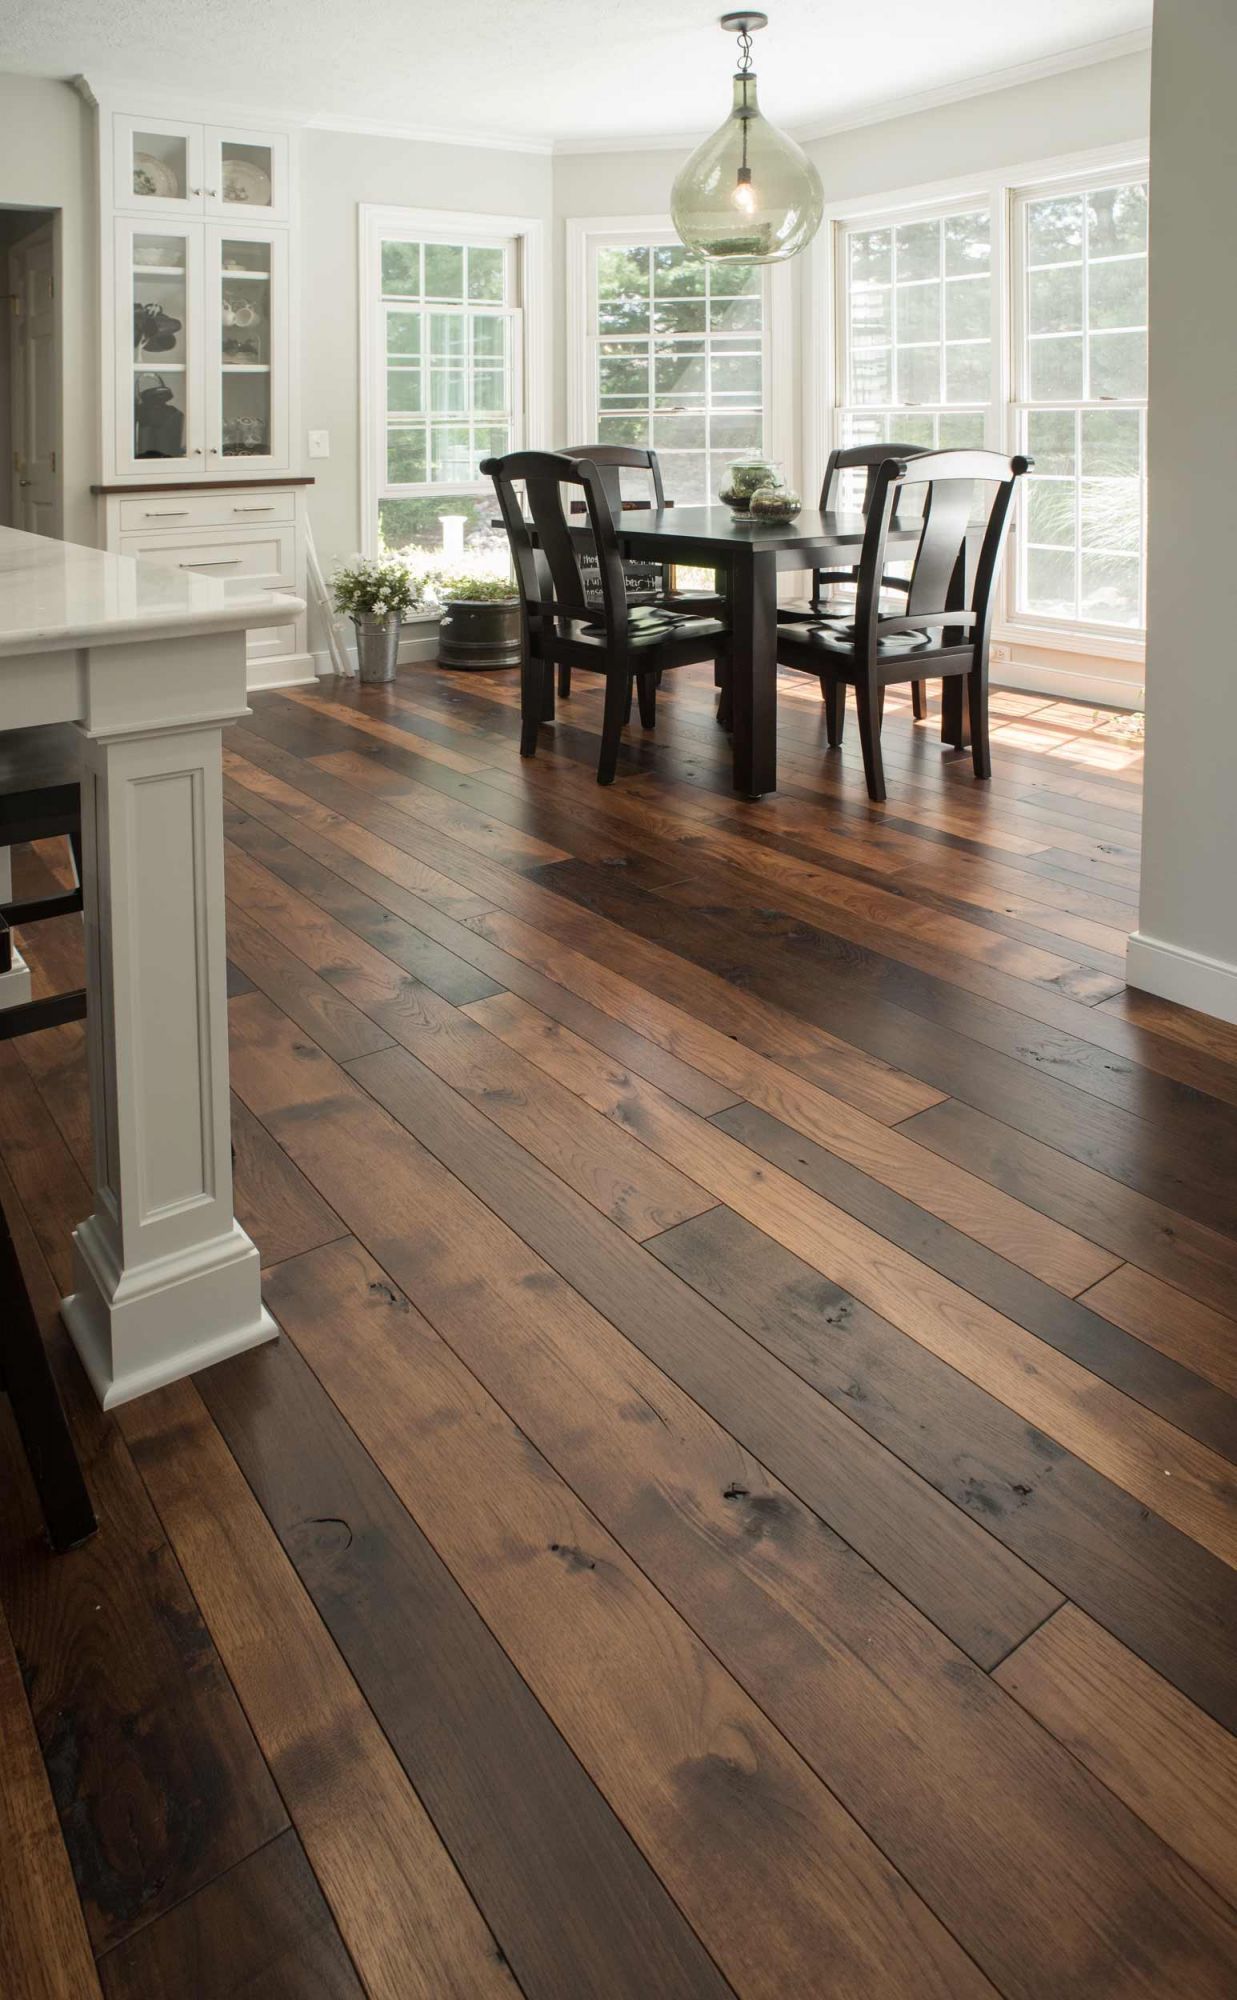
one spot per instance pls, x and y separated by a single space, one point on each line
250 277
158 270
246 367
153 365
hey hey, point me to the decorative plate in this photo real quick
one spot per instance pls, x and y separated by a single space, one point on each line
152 176
243 181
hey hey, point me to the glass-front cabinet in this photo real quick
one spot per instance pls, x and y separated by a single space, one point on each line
202 348
166 167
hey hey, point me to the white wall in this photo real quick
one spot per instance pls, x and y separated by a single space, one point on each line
1186 945
338 172
47 161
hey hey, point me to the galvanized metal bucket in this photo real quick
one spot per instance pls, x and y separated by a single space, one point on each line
377 645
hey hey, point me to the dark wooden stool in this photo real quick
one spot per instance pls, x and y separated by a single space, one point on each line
39 796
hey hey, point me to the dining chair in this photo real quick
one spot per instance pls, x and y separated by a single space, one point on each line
946 628
627 644
647 583
868 459
40 797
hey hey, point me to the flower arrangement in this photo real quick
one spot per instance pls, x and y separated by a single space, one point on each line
375 586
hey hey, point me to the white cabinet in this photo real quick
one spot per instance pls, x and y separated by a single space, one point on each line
199 385
247 537
169 166
202 348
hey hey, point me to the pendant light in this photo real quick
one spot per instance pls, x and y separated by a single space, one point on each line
748 195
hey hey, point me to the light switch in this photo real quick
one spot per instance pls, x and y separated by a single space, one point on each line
319 444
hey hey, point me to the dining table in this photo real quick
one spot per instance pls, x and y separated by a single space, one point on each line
750 555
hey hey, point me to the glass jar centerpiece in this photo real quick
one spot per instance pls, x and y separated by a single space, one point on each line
745 476
775 503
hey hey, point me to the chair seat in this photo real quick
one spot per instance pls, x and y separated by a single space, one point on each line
32 760
649 637
832 646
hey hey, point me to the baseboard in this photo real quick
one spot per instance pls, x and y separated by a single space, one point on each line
1208 985
282 670
1066 683
414 645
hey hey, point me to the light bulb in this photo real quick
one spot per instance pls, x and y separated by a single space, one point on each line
744 196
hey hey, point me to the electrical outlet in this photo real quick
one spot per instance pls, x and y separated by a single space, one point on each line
998 653
319 444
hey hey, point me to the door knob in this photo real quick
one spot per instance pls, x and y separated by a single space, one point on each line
25 482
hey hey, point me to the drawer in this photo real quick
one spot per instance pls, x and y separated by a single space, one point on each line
240 556
154 512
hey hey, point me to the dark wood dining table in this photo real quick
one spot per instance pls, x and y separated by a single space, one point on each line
751 554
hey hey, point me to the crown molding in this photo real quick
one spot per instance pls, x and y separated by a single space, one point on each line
1084 57
426 135
1110 50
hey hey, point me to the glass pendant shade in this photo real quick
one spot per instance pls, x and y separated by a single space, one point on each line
748 195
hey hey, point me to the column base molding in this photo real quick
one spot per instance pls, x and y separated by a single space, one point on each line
119 1322
1208 985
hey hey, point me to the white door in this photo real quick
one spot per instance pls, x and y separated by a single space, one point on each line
36 385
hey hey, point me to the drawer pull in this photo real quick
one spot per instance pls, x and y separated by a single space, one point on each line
166 513
268 509
229 562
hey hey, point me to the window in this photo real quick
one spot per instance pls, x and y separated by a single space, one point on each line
677 359
1081 388
916 329
446 383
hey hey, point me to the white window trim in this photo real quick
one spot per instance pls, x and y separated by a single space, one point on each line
534 361
823 305
584 235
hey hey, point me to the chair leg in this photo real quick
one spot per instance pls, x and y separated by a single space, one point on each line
977 709
834 692
646 695
40 1419
564 680
617 709
867 701
534 678
919 700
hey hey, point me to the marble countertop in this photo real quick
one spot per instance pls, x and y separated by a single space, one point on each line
57 595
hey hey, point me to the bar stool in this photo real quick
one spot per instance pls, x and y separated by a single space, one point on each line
39 796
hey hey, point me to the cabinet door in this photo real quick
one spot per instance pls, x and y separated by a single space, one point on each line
159 406
158 166
247 326
246 174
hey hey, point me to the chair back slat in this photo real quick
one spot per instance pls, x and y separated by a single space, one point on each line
546 546
939 567
867 458
612 460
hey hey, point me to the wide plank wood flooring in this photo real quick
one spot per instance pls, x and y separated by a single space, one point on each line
743 1503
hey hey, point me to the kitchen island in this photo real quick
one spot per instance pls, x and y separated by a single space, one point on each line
148 663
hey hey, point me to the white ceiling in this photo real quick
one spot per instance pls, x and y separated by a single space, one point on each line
553 71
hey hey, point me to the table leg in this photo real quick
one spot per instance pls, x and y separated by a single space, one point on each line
165 1279
753 625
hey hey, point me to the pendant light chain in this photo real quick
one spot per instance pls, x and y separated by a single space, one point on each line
745 51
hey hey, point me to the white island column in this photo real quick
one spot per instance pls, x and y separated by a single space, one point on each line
150 669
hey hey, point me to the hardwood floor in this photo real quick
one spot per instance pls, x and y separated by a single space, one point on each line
743 1502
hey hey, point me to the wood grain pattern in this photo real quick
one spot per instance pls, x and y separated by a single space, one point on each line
407 1919
263 1928
517 1811
43 1944
1172 1765
744 1500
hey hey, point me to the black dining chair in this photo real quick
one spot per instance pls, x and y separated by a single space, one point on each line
946 628
868 459
647 583
40 797
627 644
